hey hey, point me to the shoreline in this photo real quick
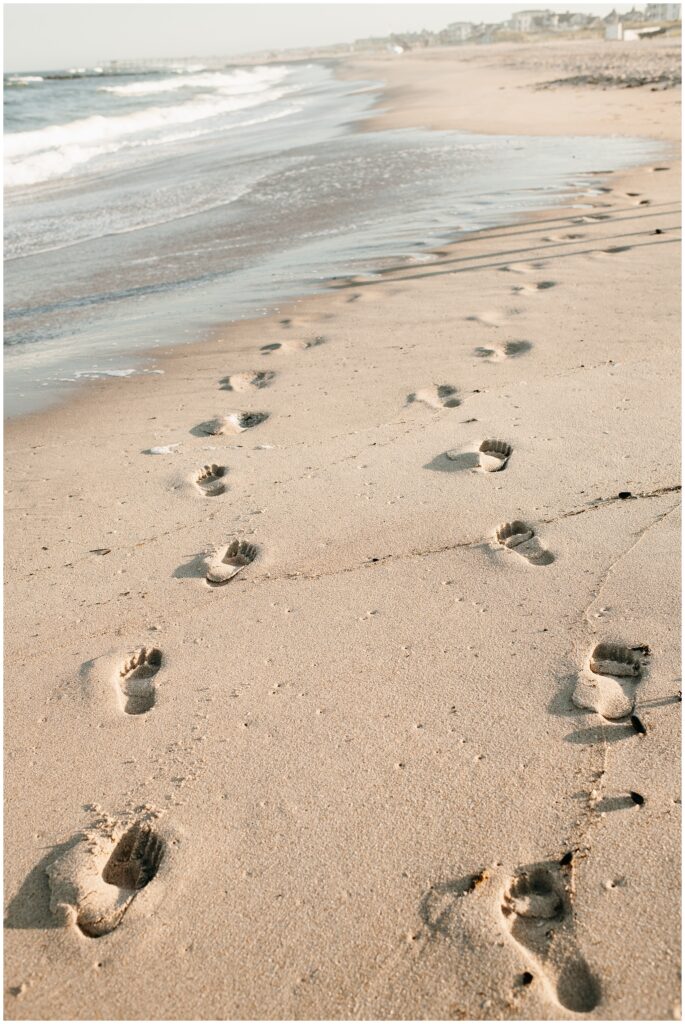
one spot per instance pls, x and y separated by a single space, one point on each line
411 67
359 744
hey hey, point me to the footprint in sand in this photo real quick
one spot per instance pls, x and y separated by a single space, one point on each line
229 561
92 885
522 268
612 250
292 346
519 537
135 680
508 351
568 237
531 289
491 318
537 914
209 481
247 381
440 396
590 218
493 455
609 680
231 423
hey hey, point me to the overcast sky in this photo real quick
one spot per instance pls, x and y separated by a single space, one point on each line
49 36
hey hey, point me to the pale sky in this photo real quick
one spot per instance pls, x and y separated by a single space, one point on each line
50 36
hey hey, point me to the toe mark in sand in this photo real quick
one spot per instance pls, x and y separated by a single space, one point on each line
223 567
494 455
209 481
539 286
232 423
136 680
519 537
134 862
522 268
247 381
608 682
508 351
440 396
537 913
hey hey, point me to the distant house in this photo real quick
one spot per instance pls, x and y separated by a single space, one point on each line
613 27
662 12
456 32
632 16
573 22
533 21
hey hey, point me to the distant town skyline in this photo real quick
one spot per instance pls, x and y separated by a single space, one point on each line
86 35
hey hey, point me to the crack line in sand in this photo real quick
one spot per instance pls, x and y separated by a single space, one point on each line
624 554
591 814
381 559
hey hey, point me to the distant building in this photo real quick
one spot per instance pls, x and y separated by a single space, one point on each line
533 21
456 32
662 12
570 22
632 16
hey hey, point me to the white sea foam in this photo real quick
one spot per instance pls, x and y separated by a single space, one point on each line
235 82
24 79
46 153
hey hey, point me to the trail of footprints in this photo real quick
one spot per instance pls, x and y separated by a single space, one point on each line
95 882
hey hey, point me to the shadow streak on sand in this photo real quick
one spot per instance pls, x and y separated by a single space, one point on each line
456 464
506 256
600 734
30 907
614 803
195 568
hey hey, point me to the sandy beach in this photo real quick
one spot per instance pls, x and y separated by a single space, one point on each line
410 748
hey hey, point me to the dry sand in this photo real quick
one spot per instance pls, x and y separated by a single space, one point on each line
362 754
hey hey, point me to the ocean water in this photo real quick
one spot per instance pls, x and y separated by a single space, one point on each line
146 205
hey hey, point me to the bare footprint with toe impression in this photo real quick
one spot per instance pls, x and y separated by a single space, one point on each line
538 916
608 681
531 289
94 883
493 455
522 268
229 561
210 480
248 381
439 396
520 538
135 680
508 351
292 346
231 423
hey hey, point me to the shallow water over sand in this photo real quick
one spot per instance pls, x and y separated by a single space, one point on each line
172 205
